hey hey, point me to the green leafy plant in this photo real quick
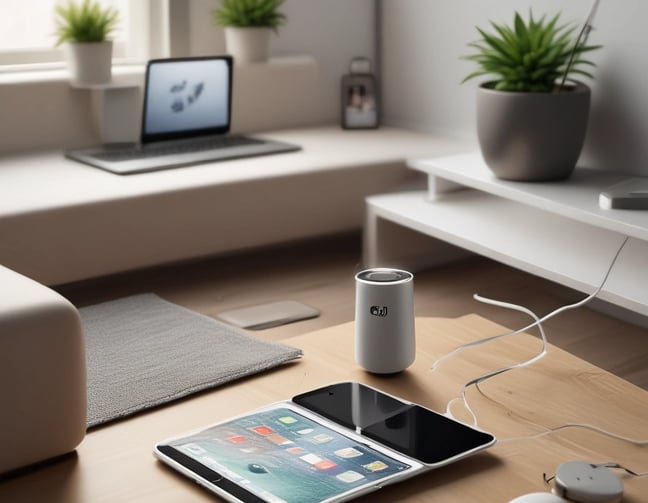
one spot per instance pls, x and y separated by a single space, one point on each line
249 13
86 22
530 56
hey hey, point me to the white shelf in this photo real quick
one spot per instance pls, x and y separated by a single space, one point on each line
108 86
576 197
91 222
553 230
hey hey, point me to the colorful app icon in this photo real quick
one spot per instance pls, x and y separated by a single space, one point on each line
295 450
262 430
348 452
237 439
310 458
375 466
288 420
349 476
321 438
325 464
275 438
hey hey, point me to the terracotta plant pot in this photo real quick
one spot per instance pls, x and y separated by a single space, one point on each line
532 136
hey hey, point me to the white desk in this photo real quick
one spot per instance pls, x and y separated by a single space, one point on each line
62 221
555 230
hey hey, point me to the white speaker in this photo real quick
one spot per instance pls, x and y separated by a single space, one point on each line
385 342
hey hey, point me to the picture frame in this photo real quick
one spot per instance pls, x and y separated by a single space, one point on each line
359 103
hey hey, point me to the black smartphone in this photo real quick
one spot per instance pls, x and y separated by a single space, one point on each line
408 428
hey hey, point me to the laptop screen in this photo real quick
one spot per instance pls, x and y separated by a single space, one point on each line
187 97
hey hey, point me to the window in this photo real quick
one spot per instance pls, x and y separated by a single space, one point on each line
27 32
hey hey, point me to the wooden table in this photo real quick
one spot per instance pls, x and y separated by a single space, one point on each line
114 462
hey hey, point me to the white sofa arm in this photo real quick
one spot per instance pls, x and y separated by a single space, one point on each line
42 373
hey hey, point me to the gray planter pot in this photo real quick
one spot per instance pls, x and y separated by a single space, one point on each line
532 136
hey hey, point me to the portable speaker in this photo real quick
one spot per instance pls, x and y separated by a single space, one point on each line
385 342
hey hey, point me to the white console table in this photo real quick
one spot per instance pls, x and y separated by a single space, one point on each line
555 230
62 221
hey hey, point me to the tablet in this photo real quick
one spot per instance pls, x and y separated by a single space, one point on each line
327 445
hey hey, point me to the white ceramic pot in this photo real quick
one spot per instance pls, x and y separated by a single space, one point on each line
247 45
90 63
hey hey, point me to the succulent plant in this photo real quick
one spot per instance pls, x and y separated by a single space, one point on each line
530 56
87 22
249 13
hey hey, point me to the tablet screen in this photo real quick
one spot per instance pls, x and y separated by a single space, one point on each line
280 455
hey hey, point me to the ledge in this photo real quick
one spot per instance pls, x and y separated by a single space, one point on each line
60 74
63 221
42 110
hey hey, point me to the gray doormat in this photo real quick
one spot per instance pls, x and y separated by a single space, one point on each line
143 351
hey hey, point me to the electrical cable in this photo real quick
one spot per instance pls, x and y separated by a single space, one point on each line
549 431
621 467
580 41
476 381
604 465
535 323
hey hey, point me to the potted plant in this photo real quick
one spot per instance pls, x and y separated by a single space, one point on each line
85 28
248 24
532 118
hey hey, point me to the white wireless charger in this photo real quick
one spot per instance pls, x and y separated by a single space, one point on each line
384 320
587 483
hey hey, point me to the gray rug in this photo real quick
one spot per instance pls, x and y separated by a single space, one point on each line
143 351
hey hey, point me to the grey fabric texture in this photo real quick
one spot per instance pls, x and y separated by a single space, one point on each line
143 351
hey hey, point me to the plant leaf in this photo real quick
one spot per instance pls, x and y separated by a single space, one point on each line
528 56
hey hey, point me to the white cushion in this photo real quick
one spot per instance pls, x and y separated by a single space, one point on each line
42 373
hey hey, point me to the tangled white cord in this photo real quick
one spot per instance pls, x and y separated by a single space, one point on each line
536 323
488 375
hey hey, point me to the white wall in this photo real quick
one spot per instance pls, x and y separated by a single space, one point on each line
424 40
46 113
332 31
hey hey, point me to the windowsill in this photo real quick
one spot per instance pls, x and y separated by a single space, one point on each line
58 73
43 110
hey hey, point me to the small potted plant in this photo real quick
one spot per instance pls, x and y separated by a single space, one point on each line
85 29
248 24
532 118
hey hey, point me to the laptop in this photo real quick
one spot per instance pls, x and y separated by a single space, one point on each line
185 121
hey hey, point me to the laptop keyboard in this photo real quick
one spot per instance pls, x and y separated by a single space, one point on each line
158 149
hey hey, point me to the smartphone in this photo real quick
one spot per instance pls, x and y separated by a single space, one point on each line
408 428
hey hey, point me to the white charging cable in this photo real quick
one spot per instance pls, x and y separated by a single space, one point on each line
488 375
537 322
549 431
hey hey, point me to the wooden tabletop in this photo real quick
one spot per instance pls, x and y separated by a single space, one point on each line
115 462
